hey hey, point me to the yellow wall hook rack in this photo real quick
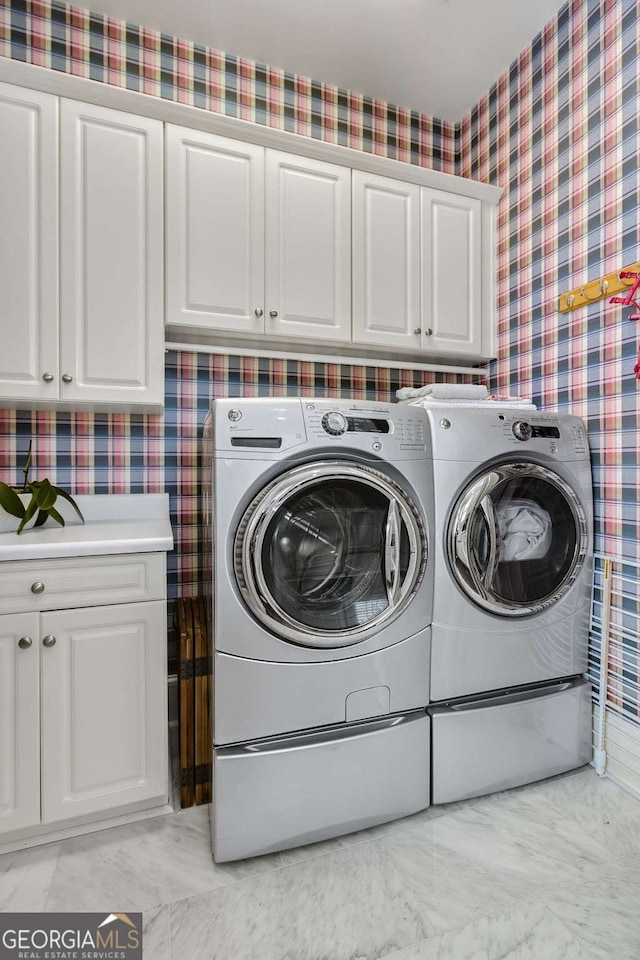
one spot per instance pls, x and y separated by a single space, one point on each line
595 290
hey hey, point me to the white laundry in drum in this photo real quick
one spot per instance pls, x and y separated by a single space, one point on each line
525 530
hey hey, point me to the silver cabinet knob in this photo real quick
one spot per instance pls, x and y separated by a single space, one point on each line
37 587
24 643
67 378
49 641
428 331
258 311
273 314
47 377
417 331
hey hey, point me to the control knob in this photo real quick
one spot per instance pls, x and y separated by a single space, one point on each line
335 423
522 430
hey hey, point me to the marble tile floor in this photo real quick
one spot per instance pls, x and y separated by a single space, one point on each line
545 872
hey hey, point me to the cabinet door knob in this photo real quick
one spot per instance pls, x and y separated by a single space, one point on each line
273 314
49 641
258 311
47 377
67 378
37 587
417 331
428 331
24 643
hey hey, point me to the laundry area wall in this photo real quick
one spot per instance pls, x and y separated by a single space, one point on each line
558 131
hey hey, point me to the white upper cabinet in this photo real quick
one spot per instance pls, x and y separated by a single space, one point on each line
258 241
111 230
28 244
386 261
308 240
215 232
451 273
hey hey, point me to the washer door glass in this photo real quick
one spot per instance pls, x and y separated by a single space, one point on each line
330 553
517 539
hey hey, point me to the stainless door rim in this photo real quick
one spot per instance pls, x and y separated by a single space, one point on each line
475 582
251 533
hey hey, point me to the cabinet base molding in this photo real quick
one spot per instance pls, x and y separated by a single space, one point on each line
398 362
37 836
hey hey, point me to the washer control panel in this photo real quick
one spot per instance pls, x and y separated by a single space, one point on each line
384 429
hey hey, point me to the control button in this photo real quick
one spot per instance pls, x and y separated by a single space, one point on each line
376 446
445 424
522 430
334 423
311 406
234 415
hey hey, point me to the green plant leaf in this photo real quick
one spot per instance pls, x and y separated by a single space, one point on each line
41 518
10 501
53 513
32 506
44 493
69 499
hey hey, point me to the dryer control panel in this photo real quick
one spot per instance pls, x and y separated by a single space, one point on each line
481 435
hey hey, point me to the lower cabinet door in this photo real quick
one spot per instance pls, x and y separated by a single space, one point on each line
19 722
104 714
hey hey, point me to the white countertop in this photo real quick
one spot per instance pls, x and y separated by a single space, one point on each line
114 523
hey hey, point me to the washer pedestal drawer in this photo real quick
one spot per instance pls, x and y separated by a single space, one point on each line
299 789
506 739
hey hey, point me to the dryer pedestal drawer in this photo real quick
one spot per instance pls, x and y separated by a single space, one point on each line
303 788
504 740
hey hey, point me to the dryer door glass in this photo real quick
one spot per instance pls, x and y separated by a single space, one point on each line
517 539
330 553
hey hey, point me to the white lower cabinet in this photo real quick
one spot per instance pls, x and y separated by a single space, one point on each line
103 709
83 710
19 722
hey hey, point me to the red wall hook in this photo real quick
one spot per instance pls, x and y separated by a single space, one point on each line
629 300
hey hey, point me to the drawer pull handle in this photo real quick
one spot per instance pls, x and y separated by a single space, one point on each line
24 643
37 587
49 641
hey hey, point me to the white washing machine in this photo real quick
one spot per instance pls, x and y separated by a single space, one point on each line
322 597
512 582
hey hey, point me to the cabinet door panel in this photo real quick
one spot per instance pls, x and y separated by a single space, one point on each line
19 723
451 272
112 331
103 709
28 244
215 231
308 229
386 261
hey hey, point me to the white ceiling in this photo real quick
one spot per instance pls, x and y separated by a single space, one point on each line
436 56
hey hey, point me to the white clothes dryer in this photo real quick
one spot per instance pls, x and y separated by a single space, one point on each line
319 517
513 535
